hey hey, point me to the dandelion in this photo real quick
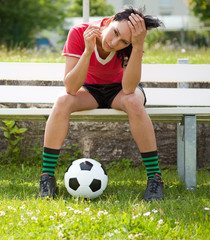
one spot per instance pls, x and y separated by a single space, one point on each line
206 208
146 214
2 213
154 210
51 217
161 221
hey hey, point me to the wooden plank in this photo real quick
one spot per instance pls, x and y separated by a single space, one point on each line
150 72
155 96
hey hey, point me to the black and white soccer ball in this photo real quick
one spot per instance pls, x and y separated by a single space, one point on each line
85 178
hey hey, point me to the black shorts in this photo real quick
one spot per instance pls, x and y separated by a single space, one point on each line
104 94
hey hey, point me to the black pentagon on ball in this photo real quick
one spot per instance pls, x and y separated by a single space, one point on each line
103 169
95 185
86 165
73 183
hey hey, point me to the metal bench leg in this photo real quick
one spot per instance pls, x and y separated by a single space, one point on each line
190 151
180 150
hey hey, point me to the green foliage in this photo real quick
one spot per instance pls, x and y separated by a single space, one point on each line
71 153
13 135
21 20
97 8
123 164
201 8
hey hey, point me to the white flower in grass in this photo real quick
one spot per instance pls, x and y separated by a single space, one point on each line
78 212
116 231
110 234
176 222
2 213
63 214
34 219
60 226
136 216
24 219
131 236
154 210
51 217
102 213
87 209
29 213
70 208
60 234
161 221
11 208
206 208
23 207
146 214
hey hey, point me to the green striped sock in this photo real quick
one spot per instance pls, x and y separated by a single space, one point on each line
150 160
50 158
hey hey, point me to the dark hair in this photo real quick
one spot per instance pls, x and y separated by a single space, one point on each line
150 22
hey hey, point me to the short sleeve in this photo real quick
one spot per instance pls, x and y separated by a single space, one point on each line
74 45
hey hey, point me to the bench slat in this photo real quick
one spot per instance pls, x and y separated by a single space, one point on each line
157 114
155 96
55 71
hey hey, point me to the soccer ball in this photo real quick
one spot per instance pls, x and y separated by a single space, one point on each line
85 178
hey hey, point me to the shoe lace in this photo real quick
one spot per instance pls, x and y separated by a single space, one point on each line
44 186
153 186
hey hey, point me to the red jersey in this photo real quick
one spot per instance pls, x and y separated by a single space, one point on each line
100 71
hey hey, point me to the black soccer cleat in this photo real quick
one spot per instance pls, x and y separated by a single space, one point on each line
48 187
155 189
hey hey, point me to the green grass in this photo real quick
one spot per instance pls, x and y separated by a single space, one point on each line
152 55
119 213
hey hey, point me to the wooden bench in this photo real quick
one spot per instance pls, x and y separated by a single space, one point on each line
185 106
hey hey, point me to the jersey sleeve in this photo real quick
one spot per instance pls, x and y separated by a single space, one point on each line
74 46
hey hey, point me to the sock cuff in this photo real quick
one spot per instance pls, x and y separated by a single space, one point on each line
51 151
149 154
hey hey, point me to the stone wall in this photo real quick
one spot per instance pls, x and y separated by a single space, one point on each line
109 141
